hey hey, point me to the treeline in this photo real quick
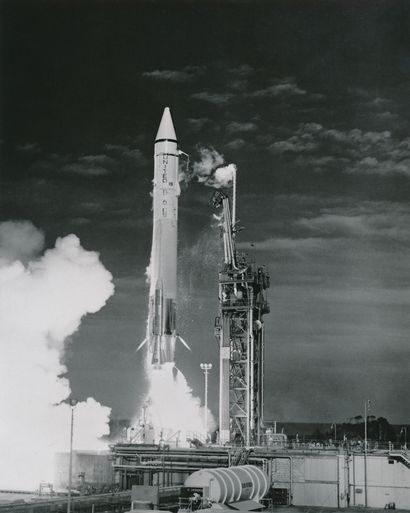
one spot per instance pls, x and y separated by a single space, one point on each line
378 430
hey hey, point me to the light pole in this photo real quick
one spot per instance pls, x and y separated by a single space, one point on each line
73 402
404 429
366 410
334 426
206 367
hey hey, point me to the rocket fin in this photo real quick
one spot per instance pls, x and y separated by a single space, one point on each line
183 342
142 344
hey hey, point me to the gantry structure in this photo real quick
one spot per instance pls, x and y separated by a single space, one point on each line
239 329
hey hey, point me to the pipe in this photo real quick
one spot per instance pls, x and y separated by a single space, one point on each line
251 384
247 376
338 480
70 467
354 480
233 200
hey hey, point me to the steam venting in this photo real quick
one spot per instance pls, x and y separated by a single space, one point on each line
43 297
211 170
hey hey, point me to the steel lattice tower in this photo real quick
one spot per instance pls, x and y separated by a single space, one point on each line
240 331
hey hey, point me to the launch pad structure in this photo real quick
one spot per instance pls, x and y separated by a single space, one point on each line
239 330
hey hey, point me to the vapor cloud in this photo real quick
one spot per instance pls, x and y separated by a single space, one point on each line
210 170
42 303
19 240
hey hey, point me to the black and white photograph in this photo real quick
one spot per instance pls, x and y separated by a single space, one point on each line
204 256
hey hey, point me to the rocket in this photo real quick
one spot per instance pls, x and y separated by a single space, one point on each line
161 328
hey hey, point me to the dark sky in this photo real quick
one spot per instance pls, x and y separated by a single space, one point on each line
309 99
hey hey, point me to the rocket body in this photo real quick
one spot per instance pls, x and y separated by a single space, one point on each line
162 335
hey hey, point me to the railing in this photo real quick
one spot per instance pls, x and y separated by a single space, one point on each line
267 504
194 437
118 502
401 455
192 504
350 445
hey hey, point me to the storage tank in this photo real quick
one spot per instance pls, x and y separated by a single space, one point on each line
233 484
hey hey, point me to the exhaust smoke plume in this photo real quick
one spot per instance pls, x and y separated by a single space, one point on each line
174 413
42 301
210 169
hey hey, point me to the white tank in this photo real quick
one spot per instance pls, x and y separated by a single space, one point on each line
233 484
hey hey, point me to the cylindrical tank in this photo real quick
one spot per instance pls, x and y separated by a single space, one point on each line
233 484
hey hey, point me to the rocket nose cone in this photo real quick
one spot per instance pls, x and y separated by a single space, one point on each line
166 128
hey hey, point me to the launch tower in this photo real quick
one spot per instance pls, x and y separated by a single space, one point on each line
240 331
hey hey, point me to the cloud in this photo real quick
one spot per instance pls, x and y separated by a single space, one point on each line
89 165
197 124
281 89
29 147
80 221
370 221
214 98
386 116
293 145
234 127
117 158
371 165
187 74
236 144
370 296
239 85
136 155
98 160
334 231
84 169
244 70
335 225
286 87
125 151
168 75
352 151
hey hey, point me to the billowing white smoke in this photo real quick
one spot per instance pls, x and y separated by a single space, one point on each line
210 171
210 159
175 414
224 175
42 301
